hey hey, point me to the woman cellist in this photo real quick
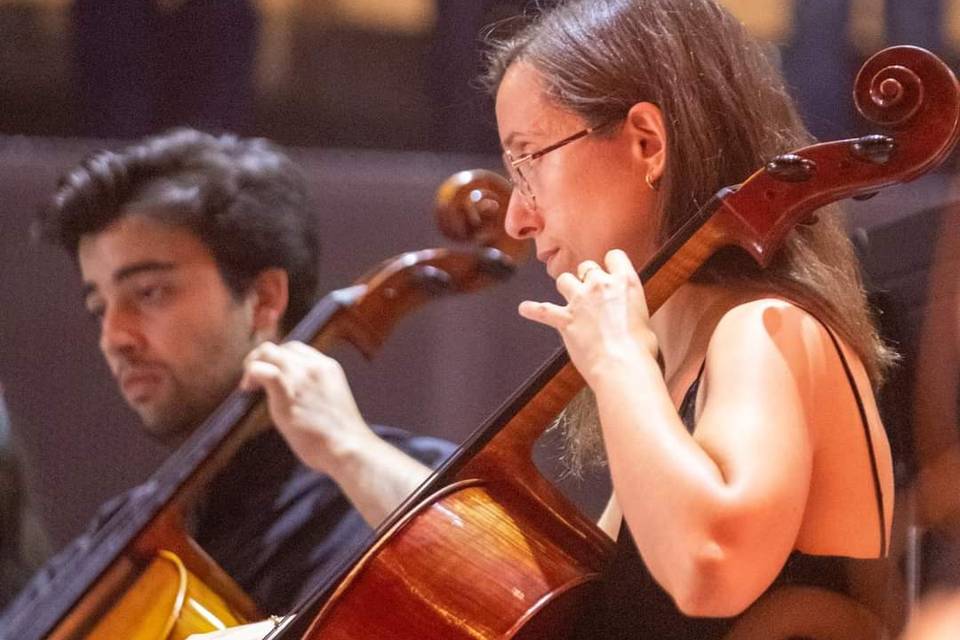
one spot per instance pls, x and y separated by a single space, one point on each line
739 423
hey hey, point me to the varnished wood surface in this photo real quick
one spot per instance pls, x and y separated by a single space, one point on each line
461 593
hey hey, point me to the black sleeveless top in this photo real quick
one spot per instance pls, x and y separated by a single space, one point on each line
630 603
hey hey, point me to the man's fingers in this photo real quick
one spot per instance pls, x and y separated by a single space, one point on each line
268 352
264 375
301 349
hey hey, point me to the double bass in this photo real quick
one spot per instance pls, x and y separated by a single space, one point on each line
487 547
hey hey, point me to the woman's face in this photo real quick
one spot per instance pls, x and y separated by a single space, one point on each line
589 196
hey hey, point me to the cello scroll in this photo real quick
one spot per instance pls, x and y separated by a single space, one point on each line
906 89
471 207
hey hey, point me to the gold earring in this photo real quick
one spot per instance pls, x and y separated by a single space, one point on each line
651 184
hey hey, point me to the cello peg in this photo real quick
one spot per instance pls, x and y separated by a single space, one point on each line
790 167
874 148
496 264
435 282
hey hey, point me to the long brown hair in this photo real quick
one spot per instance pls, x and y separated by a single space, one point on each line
727 112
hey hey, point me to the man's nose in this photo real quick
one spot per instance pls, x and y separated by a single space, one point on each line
119 331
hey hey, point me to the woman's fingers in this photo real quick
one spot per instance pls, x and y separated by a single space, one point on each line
585 268
568 285
618 263
546 313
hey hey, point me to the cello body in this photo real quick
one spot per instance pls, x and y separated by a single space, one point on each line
498 552
166 602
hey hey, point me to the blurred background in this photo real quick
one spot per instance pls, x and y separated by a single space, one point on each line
377 100
386 74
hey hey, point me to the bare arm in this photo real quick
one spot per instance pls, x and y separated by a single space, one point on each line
717 514
714 515
311 405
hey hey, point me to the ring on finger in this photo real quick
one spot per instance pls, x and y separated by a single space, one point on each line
586 272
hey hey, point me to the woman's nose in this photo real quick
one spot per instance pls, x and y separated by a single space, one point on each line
523 220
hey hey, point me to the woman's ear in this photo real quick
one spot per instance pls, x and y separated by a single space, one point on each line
270 295
648 134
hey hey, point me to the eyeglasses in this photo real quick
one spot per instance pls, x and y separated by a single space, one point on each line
516 175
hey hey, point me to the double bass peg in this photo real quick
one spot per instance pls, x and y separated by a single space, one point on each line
436 281
471 207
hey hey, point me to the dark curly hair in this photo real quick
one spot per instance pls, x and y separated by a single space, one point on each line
244 199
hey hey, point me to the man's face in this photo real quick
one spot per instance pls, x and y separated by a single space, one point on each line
170 330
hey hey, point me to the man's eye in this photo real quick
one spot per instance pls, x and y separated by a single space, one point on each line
154 293
96 312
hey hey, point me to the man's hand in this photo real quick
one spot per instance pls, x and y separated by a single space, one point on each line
310 402
312 406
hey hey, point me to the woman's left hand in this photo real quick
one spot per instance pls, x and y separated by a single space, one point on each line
605 316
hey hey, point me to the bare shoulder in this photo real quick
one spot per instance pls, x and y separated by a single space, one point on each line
769 327
769 350
772 314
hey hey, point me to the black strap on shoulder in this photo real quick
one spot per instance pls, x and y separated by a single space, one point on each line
877 490
688 406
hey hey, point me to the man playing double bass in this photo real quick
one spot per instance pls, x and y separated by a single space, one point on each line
197 253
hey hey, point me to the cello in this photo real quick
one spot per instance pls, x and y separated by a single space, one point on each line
488 548
141 576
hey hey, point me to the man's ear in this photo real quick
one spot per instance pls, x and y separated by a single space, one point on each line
648 135
270 294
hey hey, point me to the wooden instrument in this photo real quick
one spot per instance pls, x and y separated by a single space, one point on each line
487 548
142 577
471 207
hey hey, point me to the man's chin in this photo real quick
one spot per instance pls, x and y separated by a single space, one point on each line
165 429
171 419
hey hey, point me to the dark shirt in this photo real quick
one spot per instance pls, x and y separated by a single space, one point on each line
275 526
